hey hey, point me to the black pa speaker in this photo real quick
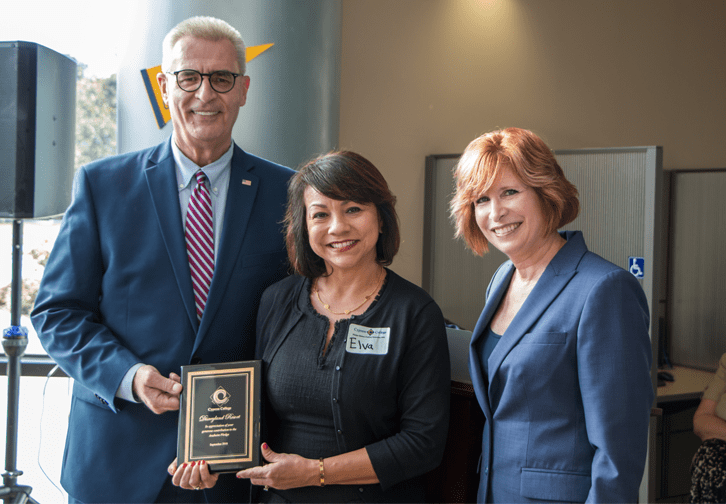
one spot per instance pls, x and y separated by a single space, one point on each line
37 130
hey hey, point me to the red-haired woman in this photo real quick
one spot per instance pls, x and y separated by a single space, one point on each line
560 357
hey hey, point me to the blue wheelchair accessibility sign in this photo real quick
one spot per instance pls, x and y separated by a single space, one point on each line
636 265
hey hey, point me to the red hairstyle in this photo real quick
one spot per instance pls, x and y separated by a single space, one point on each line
531 161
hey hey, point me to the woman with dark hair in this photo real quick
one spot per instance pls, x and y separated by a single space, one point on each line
560 357
355 358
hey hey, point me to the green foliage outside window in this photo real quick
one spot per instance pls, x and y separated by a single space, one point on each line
95 117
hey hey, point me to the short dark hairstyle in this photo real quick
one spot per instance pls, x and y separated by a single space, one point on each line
531 161
343 176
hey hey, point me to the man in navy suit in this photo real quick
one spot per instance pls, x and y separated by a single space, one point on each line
116 307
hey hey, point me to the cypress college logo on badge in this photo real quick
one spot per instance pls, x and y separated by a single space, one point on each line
367 340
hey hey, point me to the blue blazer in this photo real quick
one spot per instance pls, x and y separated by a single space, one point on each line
568 395
117 291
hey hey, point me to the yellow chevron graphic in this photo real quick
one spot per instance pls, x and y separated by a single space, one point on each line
254 51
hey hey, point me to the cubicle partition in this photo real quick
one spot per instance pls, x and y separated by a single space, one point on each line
697 269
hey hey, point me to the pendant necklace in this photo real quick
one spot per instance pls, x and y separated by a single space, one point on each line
347 312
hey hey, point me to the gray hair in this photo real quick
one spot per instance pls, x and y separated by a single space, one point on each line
207 28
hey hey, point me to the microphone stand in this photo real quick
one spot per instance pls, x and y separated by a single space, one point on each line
15 340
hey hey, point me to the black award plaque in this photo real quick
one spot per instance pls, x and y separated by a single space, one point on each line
219 415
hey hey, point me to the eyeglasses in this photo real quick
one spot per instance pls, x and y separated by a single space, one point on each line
191 80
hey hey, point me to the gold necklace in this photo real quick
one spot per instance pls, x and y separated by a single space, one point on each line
347 312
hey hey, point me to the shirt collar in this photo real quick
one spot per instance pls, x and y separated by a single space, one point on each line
186 168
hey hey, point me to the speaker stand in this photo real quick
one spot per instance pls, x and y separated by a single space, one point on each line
15 340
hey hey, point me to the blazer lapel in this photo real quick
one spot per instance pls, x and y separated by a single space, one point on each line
241 196
161 179
494 297
555 277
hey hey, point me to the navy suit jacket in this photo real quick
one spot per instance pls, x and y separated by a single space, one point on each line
117 291
568 395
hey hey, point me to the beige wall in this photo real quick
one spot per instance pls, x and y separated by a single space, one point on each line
424 77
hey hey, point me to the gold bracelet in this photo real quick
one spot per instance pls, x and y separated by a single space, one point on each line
322 473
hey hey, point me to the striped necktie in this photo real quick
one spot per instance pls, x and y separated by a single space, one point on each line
200 241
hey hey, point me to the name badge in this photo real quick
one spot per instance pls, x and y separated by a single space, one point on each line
367 340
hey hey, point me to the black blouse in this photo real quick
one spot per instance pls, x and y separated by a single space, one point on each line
388 382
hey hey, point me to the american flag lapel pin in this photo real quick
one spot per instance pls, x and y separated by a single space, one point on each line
246 182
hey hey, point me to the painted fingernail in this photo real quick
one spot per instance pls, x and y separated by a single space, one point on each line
203 462
264 445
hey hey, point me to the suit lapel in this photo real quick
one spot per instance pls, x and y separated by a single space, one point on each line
243 187
494 297
555 277
161 179
547 289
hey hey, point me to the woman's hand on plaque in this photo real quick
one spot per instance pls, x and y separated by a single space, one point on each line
192 476
282 471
